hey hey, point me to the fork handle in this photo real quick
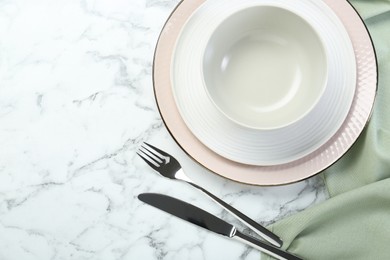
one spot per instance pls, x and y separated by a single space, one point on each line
256 227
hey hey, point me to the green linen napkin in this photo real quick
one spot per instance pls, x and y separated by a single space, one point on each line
354 223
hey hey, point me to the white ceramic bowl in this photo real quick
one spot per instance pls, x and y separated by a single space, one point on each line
262 72
272 145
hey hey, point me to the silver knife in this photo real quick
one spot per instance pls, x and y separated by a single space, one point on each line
210 222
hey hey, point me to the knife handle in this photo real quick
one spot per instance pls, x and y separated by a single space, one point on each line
265 248
256 227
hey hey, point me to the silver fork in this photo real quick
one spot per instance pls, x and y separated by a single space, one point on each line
169 167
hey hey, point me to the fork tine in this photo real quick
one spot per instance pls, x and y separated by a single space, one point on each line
158 150
153 154
145 157
159 156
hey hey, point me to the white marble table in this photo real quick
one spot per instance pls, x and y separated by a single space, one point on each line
76 101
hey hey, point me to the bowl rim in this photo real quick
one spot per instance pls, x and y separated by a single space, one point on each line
323 84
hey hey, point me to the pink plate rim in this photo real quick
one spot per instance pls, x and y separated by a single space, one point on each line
306 167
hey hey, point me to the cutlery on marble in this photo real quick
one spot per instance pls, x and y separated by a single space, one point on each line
210 222
169 167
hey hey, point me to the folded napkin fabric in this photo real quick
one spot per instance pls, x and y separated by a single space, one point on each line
354 223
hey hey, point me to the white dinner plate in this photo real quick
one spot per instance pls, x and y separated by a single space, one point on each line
262 147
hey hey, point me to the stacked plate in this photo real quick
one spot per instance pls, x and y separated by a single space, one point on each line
265 92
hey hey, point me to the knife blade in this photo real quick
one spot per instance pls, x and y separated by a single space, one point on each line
210 222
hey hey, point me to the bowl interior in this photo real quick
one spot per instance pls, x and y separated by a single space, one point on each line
265 67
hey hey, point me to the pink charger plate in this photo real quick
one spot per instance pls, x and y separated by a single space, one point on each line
295 171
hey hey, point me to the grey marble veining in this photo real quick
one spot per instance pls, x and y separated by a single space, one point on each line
76 101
